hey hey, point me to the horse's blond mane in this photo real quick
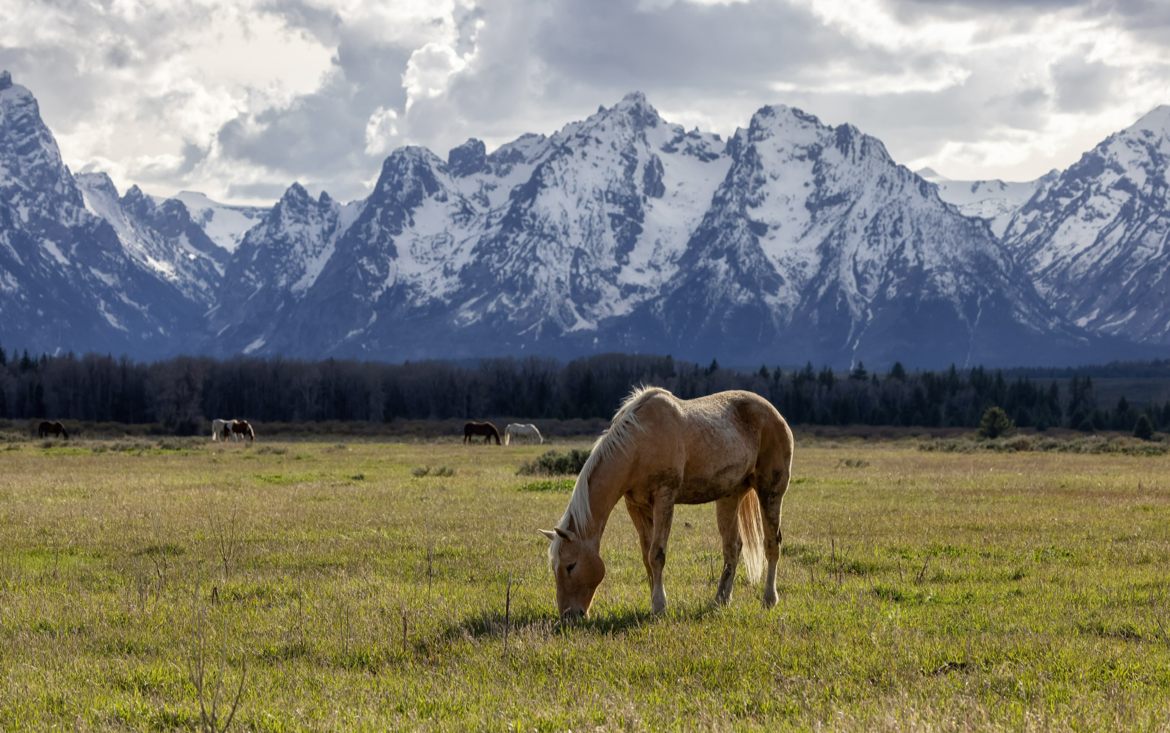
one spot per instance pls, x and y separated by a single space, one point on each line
616 437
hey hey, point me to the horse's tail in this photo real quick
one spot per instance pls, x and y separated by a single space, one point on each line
751 532
508 435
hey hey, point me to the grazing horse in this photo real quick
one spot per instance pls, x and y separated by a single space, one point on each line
486 429
219 429
55 428
732 448
242 429
515 431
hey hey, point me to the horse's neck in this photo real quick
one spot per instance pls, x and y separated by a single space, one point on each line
603 497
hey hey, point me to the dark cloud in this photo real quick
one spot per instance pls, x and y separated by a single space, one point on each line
519 66
920 11
1083 86
612 44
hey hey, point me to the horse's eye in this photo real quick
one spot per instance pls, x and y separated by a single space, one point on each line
569 567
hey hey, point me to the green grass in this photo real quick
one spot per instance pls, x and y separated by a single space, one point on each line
918 590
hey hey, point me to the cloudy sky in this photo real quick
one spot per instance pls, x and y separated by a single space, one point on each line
238 98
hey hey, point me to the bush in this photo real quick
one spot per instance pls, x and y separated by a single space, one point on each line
553 463
1144 429
996 424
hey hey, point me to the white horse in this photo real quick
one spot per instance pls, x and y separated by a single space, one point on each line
219 429
515 431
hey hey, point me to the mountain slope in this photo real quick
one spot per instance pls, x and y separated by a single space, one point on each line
818 243
1095 237
66 283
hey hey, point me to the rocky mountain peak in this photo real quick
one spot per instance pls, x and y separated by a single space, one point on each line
467 159
1156 121
636 107
5 80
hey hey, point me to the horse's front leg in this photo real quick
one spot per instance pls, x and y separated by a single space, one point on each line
656 552
727 516
643 522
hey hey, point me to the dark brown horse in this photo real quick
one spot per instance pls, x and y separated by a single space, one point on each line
55 428
486 429
243 429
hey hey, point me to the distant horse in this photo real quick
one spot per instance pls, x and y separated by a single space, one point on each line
55 428
515 431
732 448
242 429
486 429
220 429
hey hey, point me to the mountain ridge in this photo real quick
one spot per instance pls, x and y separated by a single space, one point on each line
790 241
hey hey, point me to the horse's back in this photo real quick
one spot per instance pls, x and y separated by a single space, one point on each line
712 442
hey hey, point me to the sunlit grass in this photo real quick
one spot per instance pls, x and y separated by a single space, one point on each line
919 590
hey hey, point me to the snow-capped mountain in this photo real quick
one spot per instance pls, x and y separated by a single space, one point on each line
486 253
66 280
1094 238
278 260
159 236
817 242
792 241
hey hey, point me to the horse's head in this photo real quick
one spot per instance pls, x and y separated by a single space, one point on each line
579 569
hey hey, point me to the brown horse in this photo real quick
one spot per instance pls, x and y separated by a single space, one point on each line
55 428
243 429
486 429
732 448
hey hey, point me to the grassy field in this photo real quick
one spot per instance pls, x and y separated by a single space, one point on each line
362 586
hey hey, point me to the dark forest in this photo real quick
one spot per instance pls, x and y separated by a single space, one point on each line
181 394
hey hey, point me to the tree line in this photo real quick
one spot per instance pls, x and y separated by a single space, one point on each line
182 393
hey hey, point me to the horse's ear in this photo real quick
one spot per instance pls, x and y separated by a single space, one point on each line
563 534
548 533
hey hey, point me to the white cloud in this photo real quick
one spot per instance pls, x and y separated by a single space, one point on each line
429 70
380 131
241 97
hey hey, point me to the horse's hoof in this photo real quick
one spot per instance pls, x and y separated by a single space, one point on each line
770 599
722 599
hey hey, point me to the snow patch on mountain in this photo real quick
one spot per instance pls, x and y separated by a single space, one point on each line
994 201
226 225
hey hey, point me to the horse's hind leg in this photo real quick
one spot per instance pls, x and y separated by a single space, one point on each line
771 504
727 516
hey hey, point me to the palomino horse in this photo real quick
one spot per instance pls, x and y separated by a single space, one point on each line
515 431
732 448
243 430
55 428
219 429
486 429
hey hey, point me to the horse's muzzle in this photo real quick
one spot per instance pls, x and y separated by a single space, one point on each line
573 614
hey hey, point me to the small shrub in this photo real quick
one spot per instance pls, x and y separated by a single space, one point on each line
554 463
996 424
1144 429
441 471
562 485
271 449
852 463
